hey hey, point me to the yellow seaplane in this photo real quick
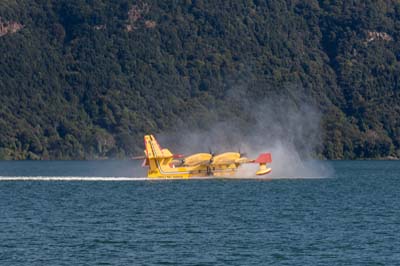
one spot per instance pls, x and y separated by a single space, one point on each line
163 164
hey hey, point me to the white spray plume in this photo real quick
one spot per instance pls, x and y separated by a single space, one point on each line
289 130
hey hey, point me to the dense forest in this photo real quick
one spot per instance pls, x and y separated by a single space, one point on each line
86 79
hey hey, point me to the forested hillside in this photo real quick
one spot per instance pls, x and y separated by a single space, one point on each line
83 79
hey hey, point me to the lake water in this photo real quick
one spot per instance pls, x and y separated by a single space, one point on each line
350 218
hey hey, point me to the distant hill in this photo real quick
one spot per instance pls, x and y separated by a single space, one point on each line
86 79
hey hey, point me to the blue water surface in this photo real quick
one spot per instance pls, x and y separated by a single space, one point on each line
351 218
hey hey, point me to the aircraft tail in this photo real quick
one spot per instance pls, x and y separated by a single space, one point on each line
157 158
154 150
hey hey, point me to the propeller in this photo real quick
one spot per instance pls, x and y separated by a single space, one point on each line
211 159
211 152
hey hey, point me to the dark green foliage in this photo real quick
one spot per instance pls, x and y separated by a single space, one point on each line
87 78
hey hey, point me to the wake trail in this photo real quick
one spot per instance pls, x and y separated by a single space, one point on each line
129 179
70 178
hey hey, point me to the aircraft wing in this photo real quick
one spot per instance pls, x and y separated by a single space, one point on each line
236 161
224 162
198 163
219 162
